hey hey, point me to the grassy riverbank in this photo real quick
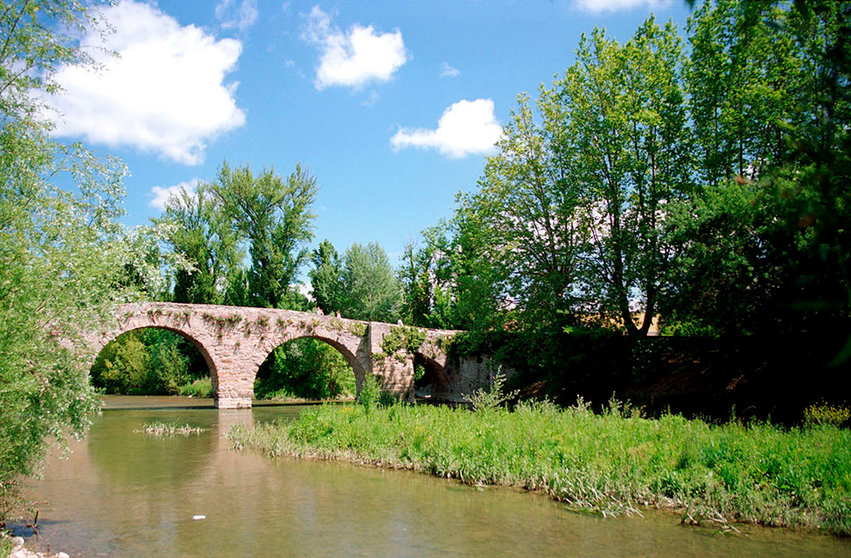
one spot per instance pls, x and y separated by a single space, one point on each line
614 462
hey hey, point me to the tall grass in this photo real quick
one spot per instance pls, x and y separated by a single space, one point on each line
202 388
614 462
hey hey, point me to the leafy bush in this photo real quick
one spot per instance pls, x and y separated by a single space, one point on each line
370 392
150 362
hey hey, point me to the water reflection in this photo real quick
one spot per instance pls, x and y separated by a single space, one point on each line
124 494
125 456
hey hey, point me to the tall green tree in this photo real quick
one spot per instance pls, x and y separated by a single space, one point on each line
203 235
628 132
569 215
274 216
741 77
371 290
326 277
765 242
526 206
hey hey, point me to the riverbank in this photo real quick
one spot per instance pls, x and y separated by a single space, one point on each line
612 463
13 547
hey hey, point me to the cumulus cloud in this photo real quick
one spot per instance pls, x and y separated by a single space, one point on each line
162 194
448 71
598 6
465 128
236 15
164 93
353 58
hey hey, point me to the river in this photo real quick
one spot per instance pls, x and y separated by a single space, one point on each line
124 493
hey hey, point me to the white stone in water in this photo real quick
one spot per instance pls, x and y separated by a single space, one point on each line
17 542
198 517
62 555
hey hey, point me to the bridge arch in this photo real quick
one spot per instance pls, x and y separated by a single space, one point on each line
349 354
105 340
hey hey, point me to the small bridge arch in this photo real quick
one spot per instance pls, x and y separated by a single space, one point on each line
235 341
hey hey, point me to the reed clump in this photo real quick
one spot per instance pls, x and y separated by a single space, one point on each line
613 462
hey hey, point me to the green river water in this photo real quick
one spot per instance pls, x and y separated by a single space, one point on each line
122 493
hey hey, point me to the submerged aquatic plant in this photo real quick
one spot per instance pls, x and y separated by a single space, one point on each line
166 429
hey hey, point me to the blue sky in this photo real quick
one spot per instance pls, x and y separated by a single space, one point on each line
392 105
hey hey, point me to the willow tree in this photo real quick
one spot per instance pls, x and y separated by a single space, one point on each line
63 256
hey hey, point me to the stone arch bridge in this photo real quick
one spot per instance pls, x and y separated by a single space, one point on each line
235 341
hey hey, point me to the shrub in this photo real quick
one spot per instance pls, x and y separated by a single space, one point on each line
491 398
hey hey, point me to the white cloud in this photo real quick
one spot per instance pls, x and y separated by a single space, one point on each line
465 128
354 58
448 71
598 6
236 15
164 93
162 194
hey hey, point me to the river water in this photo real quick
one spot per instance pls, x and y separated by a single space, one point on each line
123 493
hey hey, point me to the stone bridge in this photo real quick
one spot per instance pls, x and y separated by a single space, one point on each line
235 341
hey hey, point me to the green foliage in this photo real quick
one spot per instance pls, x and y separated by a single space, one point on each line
326 278
202 388
202 234
370 393
361 285
765 241
494 397
708 184
357 328
150 361
611 463
64 258
402 338
370 288
273 215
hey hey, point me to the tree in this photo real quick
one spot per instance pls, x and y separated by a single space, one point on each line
274 215
628 132
370 288
765 241
523 219
741 78
326 278
307 368
62 255
203 236
569 215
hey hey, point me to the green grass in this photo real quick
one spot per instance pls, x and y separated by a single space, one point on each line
611 463
202 388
